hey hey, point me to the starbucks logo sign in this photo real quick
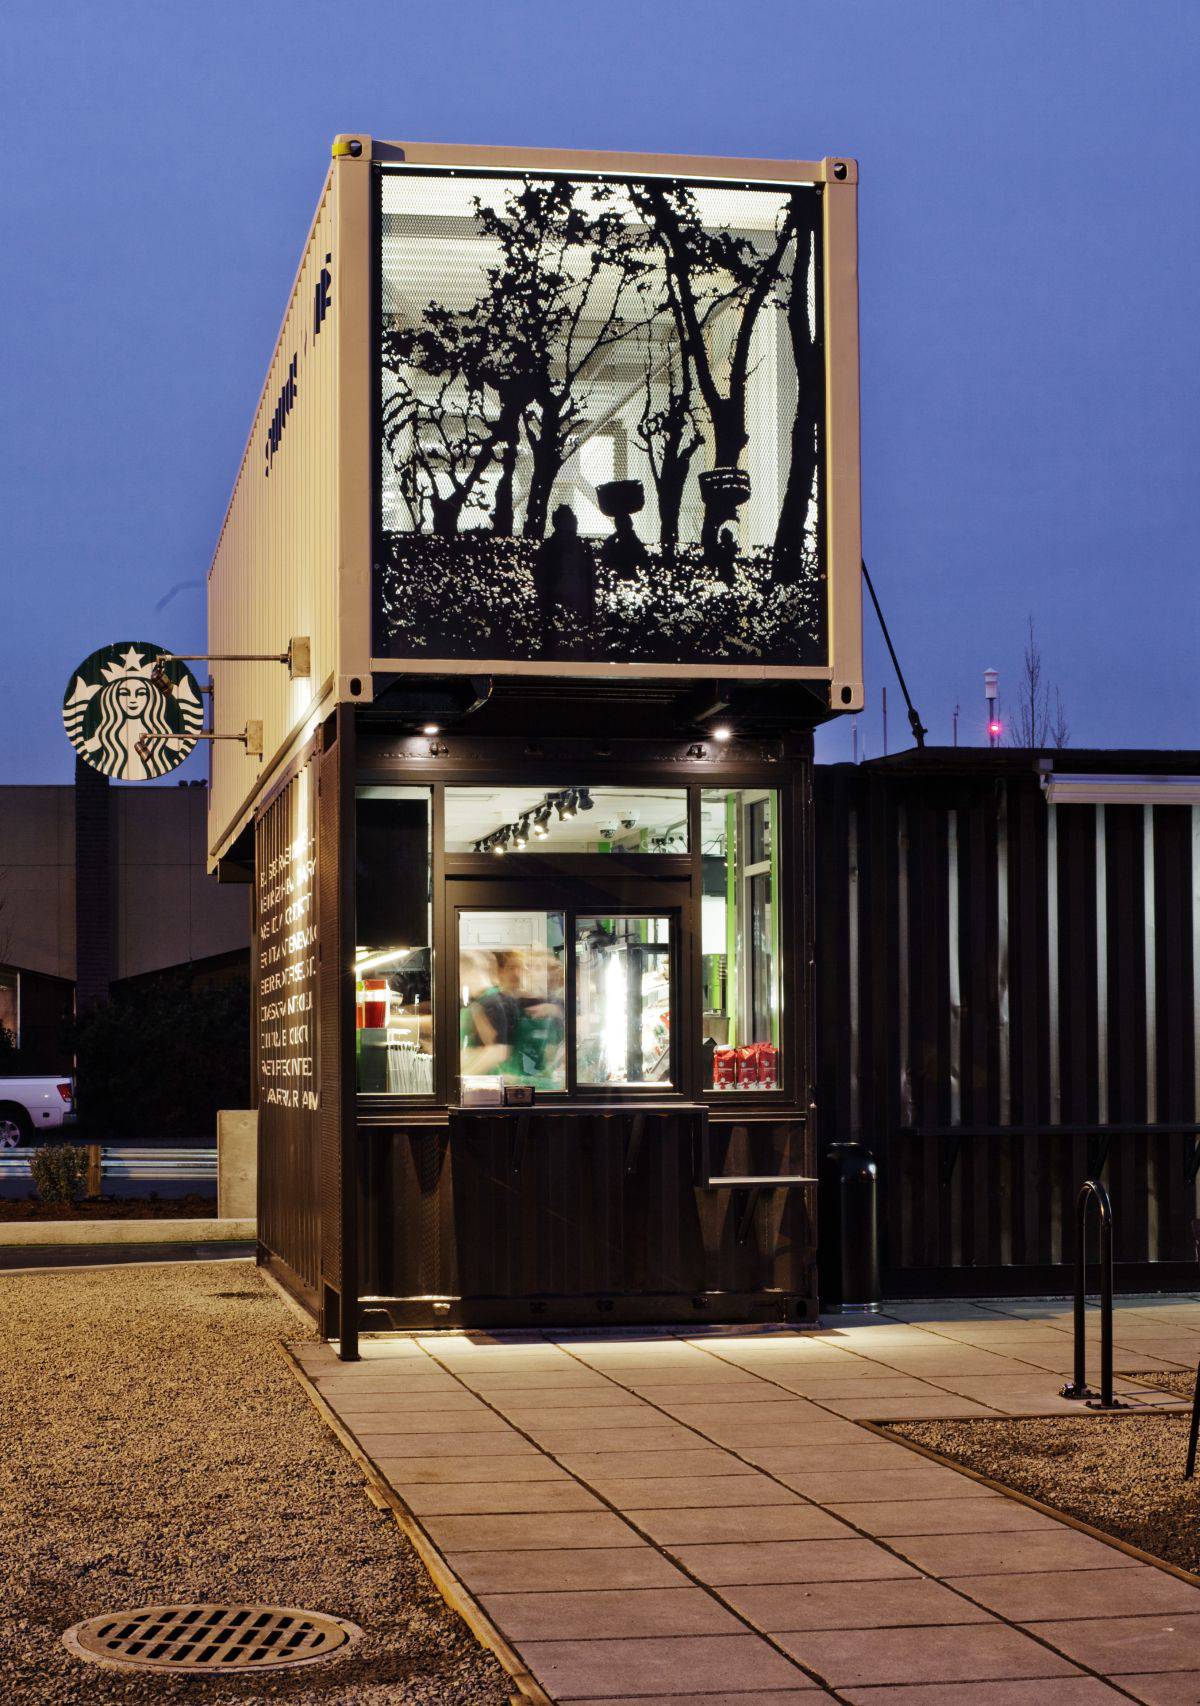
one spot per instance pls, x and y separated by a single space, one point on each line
129 719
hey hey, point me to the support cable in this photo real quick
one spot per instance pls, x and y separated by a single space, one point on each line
914 722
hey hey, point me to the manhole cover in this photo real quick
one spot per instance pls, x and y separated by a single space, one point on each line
211 1638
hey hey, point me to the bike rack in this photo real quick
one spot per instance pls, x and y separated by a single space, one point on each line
1078 1387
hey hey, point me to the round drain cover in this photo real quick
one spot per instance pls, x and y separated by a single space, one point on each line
211 1639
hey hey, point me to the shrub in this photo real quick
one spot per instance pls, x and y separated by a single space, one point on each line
59 1171
161 1057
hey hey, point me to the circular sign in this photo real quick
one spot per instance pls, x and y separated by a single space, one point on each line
130 716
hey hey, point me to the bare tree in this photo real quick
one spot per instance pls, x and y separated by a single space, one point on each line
1060 729
1039 719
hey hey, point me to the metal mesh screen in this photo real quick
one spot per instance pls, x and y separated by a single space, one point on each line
600 419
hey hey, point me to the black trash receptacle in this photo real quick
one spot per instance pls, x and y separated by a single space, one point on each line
848 1228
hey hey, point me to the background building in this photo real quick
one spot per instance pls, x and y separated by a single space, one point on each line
100 886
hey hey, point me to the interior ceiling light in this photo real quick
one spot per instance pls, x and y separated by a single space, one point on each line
584 800
541 823
521 833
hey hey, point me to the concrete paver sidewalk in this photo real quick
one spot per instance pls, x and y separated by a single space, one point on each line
670 1518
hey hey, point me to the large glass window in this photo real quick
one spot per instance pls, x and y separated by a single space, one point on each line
566 820
623 1000
600 419
740 938
512 997
393 961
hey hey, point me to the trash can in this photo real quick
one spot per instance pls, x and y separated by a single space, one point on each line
848 1229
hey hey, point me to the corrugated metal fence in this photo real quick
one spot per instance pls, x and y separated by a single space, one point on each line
1007 1002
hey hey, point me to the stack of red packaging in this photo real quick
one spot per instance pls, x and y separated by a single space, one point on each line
747 1066
753 1066
724 1068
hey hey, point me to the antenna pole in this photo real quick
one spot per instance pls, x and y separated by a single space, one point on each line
918 728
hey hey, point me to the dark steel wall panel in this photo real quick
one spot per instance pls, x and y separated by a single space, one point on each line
497 1210
1021 1013
335 999
288 1156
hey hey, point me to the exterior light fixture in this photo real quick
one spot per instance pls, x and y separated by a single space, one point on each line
722 732
432 729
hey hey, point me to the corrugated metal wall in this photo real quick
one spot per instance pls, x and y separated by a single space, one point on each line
289 1157
276 569
1007 997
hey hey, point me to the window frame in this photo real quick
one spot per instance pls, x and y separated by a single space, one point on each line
620 883
471 896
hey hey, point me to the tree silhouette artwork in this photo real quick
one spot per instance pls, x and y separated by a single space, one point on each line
568 285
565 290
712 271
645 354
668 431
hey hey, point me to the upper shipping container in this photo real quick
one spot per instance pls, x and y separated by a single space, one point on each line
547 413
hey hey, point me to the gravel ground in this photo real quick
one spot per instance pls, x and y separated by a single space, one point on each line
1122 1474
157 1449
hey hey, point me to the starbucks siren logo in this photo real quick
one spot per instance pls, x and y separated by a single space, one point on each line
128 719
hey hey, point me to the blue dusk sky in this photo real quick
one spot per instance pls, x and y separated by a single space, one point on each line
1029 270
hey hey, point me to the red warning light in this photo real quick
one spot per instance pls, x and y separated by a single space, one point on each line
994 728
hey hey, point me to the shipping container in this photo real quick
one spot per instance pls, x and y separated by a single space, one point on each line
541 566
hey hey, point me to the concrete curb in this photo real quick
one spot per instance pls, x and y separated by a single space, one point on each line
150 1231
885 1430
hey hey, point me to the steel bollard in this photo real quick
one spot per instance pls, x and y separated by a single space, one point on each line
848 1228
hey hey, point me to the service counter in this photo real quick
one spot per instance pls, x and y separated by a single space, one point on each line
565 1216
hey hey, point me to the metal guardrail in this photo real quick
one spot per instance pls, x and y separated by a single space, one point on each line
1078 1387
125 1161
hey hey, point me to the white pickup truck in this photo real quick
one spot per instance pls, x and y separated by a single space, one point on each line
29 1106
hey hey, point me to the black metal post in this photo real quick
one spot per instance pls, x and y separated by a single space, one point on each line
1194 1430
1078 1387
